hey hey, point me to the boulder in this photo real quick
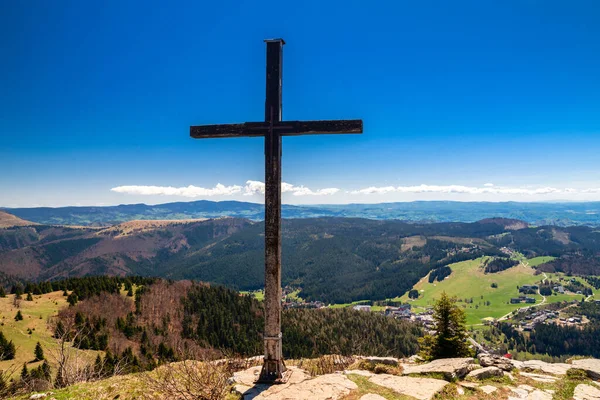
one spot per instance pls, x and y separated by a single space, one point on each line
485 373
586 392
452 368
493 360
38 396
419 388
589 365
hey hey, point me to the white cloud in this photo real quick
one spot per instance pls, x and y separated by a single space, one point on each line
487 189
383 193
251 188
254 187
188 191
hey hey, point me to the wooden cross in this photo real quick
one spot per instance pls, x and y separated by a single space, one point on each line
273 129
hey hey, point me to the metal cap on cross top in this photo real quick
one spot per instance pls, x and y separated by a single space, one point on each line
273 129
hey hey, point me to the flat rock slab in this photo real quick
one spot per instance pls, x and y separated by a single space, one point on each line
469 385
488 389
371 396
586 392
589 365
324 387
527 392
485 373
539 377
537 365
419 388
450 367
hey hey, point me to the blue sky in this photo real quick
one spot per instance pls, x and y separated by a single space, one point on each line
465 100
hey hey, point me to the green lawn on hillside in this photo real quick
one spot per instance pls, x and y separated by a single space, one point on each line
468 281
42 306
35 317
534 262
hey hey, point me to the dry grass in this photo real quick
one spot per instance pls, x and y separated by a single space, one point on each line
8 220
327 364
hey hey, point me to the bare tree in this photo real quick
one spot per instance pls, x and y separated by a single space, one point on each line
17 301
194 379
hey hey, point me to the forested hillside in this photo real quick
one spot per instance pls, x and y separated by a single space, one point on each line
335 260
168 321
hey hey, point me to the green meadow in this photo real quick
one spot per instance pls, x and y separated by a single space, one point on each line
32 329
468 282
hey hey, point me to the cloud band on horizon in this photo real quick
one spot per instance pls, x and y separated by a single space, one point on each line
258 188
251 188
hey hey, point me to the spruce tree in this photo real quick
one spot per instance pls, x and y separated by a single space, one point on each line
24 372
451 331
38 352
29 297
72 299
7 348
19 316
2 291
46 371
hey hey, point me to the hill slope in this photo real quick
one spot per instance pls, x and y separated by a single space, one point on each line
8 221
336 260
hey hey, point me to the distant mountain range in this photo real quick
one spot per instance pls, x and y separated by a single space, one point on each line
561 214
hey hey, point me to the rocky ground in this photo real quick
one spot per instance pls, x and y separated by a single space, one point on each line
458 378
376 378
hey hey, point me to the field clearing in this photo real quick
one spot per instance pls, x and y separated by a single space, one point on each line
35 317
468 281
257 294
36 314
534 262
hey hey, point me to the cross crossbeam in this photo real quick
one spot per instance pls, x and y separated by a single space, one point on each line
273 129
284 128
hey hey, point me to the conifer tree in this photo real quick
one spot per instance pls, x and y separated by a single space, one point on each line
7 348
2 291
45 369
19 316
29 297
451 331
72 299
38 352
24 372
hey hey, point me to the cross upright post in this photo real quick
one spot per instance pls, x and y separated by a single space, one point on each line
273 367
273 129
